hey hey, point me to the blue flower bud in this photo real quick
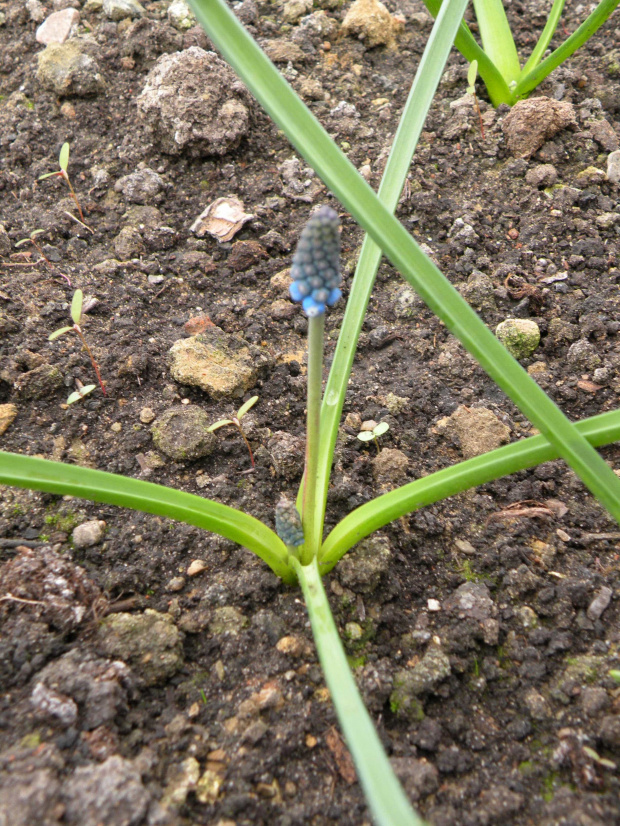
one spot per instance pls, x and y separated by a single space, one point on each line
315 271
288 523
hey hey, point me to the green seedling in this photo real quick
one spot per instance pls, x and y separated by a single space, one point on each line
63 164
615 675
236 422
82 390
32 239
498 60
371 430
76 317
472 74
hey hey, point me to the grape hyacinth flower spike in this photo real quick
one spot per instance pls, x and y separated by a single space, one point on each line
316 264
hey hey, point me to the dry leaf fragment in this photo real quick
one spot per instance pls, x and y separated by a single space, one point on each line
222 219
341 755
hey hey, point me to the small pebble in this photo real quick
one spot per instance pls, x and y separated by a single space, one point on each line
433 605
88 533
116 427
290 645
599 603
196 567
146 415
177 583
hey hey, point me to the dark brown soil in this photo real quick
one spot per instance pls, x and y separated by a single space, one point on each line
526 727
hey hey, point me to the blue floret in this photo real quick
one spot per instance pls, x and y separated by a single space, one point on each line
315 271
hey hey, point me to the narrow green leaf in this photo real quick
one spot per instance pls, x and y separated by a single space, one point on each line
48 175
76 307
599 430
498 89
311 140
545 38
217 425
590 25
63 158
58 333
99 486
497 39
246 406
387 801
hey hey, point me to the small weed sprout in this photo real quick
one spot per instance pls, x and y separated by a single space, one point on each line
236 422
371 430
63 163
472 74
82 390
76 317
32 239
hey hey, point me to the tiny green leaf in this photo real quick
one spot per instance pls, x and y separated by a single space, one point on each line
366 436
58 333
76 307
79 394
63 158
48 175
472 73
381 428
246 406
23 241
221 423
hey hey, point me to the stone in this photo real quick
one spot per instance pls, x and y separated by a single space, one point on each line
418 777
106 794
180 15
141 186
423 678
599 603
613 167
196 566
150 643
8 414
370 21
245 254
283 51
120 9
181 779
287 453
223 365
520 336
40 383
609 732
582 355
227 620
71 68
477 428
58 26
182 433
292 10
89 533
193 103
533 121
390 466
537 706
362 568
545 174
593 700
479 291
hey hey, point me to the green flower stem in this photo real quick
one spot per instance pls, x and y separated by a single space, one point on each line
418 103
56 477
589 26
337 172
599 430
388 803
312 536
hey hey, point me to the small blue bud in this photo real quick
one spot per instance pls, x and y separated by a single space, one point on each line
288 523
315 270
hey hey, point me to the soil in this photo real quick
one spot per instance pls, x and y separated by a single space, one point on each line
213 710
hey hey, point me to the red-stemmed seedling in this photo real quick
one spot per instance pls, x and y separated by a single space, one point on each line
76 317
63 164
32 239
236 422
